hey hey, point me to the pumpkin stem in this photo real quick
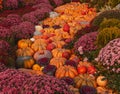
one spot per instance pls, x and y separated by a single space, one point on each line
103 78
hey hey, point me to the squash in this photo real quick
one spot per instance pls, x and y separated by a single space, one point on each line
23 43
59 44
74 58
84 63
59 51
101 81
24 52
66 71
57 61
84 79
30 71
37 67
39 44
20 61
103 90
29 63
43 53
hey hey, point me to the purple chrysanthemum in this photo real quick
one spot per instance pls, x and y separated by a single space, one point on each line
4 32
4 45
23 30
30 17
86 42
109 56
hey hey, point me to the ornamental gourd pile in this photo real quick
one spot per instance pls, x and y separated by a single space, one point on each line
46 50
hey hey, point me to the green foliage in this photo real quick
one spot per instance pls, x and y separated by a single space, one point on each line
52 3
113 78
106 23
106 14
66 1
106 35
113 3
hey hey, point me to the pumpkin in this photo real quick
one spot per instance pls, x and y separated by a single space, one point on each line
103 90
20 61
24 52
84 63
73 57
57 61
39 44
101 81
37 67
58 52
40 54
30 71
59 44
73 89
23 43
84 79
29 63
66 71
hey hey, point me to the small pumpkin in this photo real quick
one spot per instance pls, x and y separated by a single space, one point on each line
103 90
57 61
74 58
84 63
59 44
84 79
59 51
37 67
30 71
101 81
20 61
40 54
39 44
23 43
24 52
29 63
66 71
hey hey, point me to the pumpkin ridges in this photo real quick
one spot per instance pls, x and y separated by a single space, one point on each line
24 52
86 80
57 61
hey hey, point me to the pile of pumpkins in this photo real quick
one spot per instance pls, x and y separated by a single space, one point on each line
45 53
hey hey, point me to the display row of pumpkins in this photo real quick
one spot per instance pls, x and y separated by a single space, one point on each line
44 53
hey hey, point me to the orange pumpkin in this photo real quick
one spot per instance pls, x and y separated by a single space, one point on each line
30 71
74 58
57 61
102 81
24 52
84 79
41 54
59 44
66 71
37 67
29 63
83 63
23 43
59 51
39 44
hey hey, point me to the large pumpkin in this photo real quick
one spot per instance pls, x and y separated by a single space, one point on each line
23 43
84 79
40 54
39 44
24 52
57 61
66 71
58 52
